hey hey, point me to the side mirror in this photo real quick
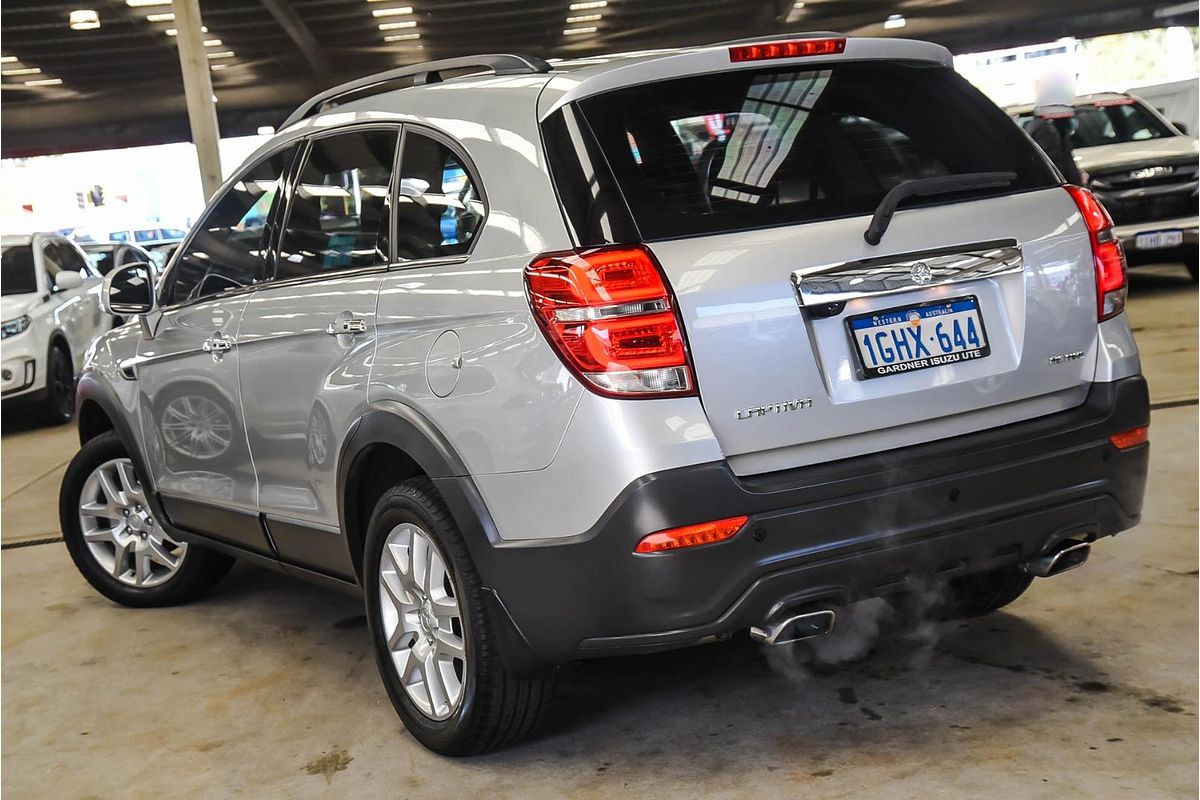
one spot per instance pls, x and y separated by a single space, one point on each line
129 290
67 279
1182 128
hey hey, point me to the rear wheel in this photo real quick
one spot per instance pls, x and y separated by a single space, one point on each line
968 596
60 387
434 641
115 540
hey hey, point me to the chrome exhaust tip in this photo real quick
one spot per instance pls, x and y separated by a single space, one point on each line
1066 555
794 628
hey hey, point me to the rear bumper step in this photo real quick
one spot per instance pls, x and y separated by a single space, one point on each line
822 536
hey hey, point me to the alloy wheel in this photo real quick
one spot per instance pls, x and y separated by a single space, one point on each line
422 621
121 532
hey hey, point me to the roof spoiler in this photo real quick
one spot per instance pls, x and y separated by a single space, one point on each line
781 37
424 73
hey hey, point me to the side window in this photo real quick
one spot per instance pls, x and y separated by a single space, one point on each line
440 208
51 258
118 236
339 210
60 256
226 252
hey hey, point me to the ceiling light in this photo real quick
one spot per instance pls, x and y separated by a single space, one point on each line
265 130
213 43
588 6
798 4
217 66
584 18
175 31
167 17
401 37
895 21
146 3
391 26
21 71
7 59
84 20
222 54
45 82
391 12
579 31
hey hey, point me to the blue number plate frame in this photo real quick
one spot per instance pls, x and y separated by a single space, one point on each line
915 337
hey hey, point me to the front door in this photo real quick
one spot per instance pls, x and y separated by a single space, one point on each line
192 427
307 338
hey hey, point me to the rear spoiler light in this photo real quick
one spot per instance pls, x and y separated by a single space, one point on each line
1112 284
797 48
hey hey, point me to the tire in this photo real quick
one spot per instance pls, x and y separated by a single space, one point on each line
1193 268
968 596
115 540
493 709
59 400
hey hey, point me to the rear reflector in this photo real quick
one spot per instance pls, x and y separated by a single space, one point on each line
1130 438
1112 287
793 49
608 314
691 535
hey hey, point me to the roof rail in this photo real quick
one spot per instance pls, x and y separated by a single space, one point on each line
424 73
781 37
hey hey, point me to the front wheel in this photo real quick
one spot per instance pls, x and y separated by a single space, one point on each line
433 638
115 540
59 404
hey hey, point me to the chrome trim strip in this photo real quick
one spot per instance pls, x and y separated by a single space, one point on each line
904 272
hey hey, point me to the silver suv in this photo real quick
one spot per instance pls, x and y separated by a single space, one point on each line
619 355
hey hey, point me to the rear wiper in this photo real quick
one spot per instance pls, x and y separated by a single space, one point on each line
945 184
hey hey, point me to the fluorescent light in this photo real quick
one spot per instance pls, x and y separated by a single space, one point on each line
588 6
401 37
213 43
584 18
175 31
215 67
391 12
45 82
391 26
146 3
895 21
798 4
579 31
84 19
167 17
222 54
265 130
7 59
21 71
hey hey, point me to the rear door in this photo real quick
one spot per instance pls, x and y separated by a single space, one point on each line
308 335
754 189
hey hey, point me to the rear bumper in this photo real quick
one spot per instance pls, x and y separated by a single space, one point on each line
1189 227
832 533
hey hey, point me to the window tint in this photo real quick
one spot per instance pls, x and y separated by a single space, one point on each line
226 252
119 236
339 211
440 208
17 275
60 256
147 235
755 148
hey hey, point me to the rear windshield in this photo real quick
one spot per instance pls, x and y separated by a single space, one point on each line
757 148
17 274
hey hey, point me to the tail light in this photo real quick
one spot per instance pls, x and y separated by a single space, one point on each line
1130 438
608 314
792 49
691 535
1112 286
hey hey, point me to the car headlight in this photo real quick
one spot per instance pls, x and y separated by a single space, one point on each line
14 326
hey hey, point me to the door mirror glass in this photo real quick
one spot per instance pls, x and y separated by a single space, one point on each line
129 290
67 279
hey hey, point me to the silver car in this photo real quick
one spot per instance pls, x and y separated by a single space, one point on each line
619 355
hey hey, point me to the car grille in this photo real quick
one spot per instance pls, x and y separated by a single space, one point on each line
1148 191
1131 210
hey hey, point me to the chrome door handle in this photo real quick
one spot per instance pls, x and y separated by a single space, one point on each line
346 327
217 345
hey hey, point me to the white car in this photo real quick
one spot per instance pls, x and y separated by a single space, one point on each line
49 313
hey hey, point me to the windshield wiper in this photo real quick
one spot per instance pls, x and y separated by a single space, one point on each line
945 184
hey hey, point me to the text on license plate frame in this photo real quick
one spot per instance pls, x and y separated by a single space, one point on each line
866 371
1157 240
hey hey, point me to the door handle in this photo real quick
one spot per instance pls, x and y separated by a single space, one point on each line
346 327
217 345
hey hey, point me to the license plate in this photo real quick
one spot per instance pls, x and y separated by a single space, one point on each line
1153 241
917 337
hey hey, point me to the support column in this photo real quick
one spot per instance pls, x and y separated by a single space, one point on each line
197 88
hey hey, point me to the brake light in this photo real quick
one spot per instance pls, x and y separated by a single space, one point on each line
1130 438
691 535
792 49
609 316
1112 286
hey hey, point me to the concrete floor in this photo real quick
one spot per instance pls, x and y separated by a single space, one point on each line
1086 687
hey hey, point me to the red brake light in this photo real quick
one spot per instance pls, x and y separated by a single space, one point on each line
1130 438
792 49
1112 286
608 314
691 535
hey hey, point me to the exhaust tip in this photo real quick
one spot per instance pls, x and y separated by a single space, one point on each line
1066 555
794 628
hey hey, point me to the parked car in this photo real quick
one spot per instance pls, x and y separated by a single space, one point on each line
50 312
148 232
161 252
544 380
104 256
1145 171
